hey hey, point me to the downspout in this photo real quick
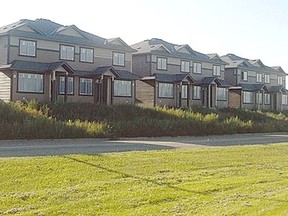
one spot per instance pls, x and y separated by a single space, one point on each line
209 101
150 64
8 50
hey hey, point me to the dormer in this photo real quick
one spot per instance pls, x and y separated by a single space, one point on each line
159 47
184 49
257 63
69 31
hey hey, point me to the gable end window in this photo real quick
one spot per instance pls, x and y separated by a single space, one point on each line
216 70
118 59
161 63
27 48
86 55
197 68
67 52
185 66
244 76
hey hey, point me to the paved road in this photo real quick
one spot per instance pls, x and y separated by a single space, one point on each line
22 148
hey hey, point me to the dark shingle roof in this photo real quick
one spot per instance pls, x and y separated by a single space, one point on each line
37 66
253 87
209 80
276 89
172 50
160 77
235 61
48 30
123 74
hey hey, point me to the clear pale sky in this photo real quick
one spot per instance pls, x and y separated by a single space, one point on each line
255 29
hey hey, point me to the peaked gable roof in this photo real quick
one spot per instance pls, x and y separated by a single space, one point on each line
172 50
48 30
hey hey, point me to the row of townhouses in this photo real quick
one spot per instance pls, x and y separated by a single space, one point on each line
48 62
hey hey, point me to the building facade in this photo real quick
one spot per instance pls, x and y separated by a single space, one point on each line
255 85
46 61
178 76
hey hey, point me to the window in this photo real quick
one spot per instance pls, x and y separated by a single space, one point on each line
70 85
197 92
85 86
267 98
197 68
185 66
216 70
244 76
247 97
27 48
184 92
30 83
86 55
280 80
122 88
259 78
221 94
284 99
166 90
118 59
267 78
259 97
67 52
161 63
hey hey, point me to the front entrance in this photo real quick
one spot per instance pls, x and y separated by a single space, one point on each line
103 90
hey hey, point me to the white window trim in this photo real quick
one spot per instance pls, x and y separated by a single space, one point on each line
259 78
185 66
197 92
247 100
65 57
216 70
83 55
280 78
224 94
267 78
267 99
196 67
244 76
184 91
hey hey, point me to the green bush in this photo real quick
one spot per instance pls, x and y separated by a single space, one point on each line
30 120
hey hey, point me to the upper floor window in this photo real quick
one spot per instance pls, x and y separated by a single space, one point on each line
166 90
185 66
259 77
118 59
267 78
86 55
244 76
70 85
280 80
161 63
123 88
216 70
184 92
27 48
197 68
67 52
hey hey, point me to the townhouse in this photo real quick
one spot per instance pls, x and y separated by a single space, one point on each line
255 85
178 76
49 62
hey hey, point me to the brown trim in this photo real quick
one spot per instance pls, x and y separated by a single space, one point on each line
92 55
79 89
113 59
159 92
60 45
28 91
19 45
67 84
166 67
120 95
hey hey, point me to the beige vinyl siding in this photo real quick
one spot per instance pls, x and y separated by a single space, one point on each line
5 87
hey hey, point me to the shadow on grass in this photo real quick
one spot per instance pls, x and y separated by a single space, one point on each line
135 177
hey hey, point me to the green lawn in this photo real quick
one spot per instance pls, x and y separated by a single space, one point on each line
245 180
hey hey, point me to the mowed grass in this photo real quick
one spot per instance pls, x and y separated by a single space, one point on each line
244 180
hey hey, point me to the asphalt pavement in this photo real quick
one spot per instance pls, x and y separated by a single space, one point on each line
24 148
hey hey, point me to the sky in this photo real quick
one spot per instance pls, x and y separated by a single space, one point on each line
253 29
